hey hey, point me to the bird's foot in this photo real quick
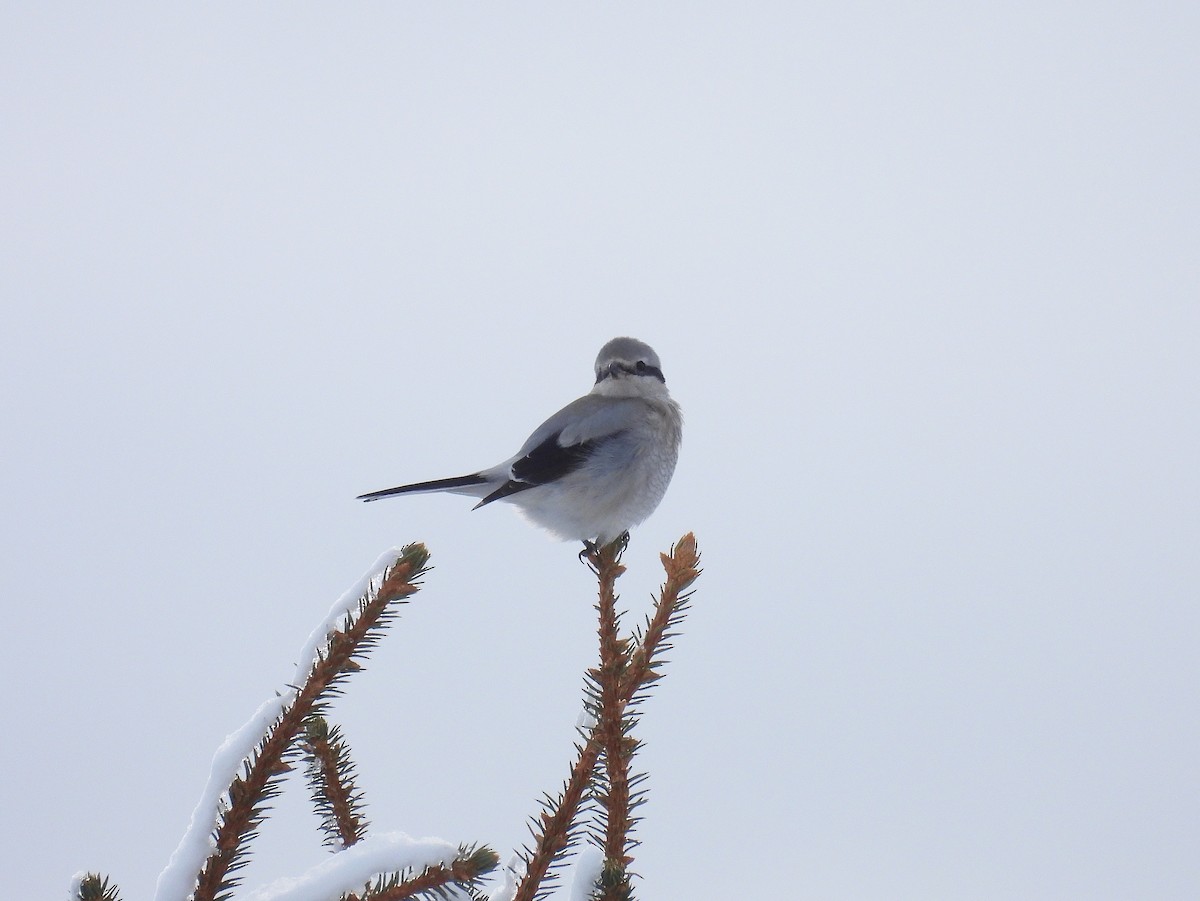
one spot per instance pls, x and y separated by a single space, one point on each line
591 549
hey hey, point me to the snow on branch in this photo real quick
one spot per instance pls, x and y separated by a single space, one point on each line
247 769
417 864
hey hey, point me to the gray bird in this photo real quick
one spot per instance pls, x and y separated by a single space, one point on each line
598 466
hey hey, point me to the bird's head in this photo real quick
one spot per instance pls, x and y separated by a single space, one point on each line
627 367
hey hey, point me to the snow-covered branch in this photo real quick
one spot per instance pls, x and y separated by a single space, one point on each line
247 769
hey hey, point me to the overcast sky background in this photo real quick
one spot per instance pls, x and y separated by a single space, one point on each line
925 279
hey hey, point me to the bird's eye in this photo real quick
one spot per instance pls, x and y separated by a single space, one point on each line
641 365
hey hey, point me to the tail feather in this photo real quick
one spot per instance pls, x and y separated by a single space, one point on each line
509 488
456 484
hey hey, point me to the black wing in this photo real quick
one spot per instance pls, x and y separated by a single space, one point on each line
548 462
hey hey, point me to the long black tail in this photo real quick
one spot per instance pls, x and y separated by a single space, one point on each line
435 485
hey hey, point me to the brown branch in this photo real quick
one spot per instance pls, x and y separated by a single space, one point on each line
682 567
330 775
622 673
610 729
467 867
556 825
556 822
248 792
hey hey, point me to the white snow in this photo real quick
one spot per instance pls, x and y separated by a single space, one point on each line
509 876
584 871
351 869
589 861
347 603
587 720
177 881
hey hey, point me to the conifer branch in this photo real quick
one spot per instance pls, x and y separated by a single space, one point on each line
620 681
437 880
249 793
682 568
600 779
555 822
618 793
330 773
94 887
611 784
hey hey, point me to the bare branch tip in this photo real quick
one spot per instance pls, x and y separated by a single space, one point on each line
682 563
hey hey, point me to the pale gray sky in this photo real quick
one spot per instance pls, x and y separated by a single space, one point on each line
924 278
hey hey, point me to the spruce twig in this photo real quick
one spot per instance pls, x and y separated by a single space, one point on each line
621 681
682 567
462 873
554 838
249 793
552 828
617 792
94 887
331 773
643 670
611 784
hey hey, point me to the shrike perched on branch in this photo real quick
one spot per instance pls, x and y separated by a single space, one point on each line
599 465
